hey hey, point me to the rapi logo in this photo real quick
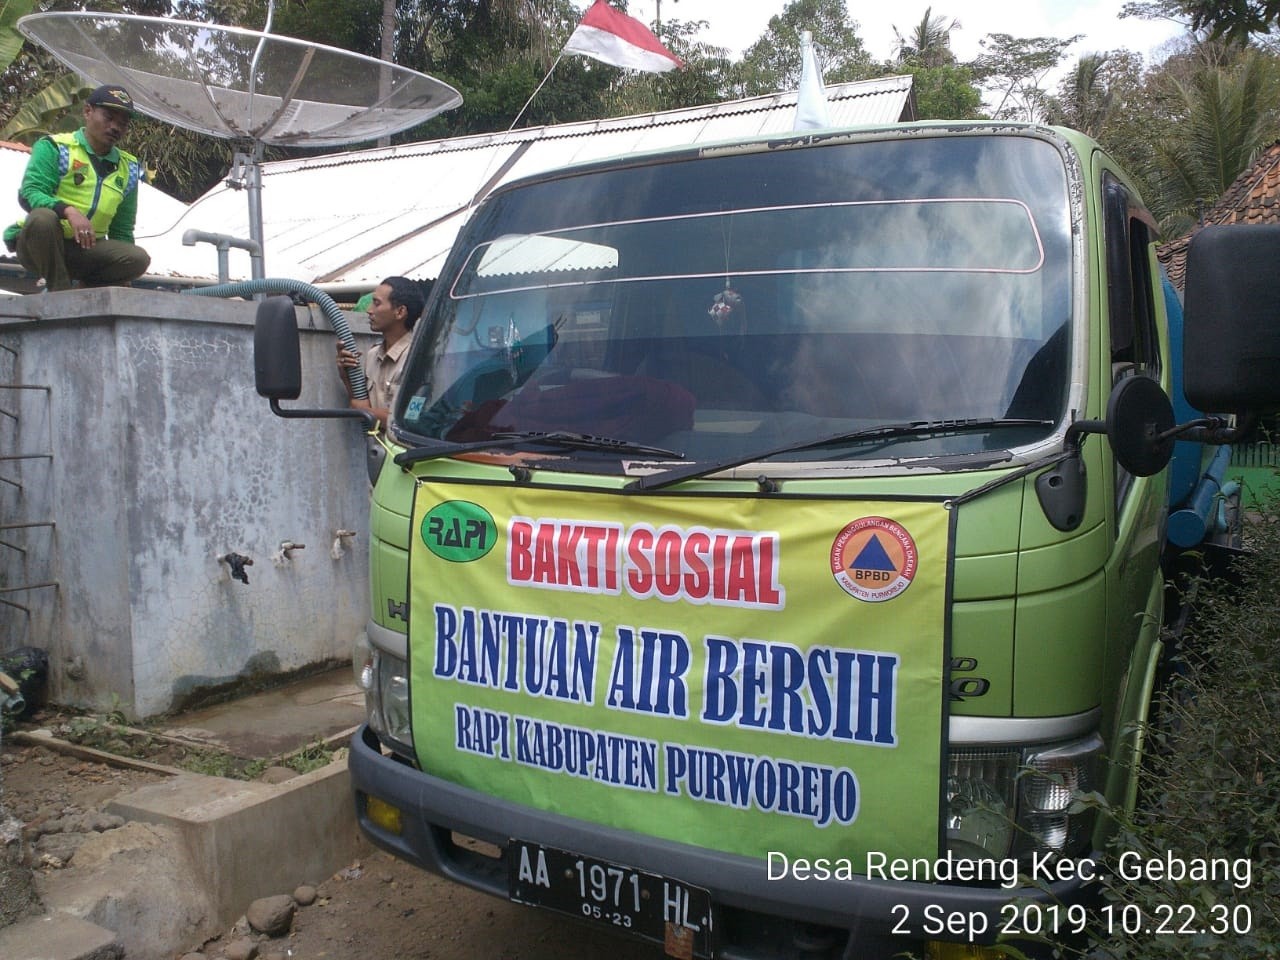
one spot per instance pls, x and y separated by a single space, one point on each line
459 531
874 559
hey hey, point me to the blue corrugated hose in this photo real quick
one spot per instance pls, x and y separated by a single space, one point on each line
249 288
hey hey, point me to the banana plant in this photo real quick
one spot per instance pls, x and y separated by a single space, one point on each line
11 11
42 112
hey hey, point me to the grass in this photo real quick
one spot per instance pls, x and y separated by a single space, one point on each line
107 734
1210 787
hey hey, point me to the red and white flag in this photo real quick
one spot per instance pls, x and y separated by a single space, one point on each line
622 41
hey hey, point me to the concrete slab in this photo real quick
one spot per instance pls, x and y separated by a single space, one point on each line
251 840
58 936
322 707
198 850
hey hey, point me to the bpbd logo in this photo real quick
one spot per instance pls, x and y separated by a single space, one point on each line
874 559
459 531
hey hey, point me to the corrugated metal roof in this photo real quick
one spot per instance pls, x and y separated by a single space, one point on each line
350 219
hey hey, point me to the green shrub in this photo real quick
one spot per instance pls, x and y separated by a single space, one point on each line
1210 788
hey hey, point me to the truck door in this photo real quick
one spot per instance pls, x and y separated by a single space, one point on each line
1134 581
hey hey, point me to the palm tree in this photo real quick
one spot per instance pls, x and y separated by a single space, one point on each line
929 44
1228 115
1085 101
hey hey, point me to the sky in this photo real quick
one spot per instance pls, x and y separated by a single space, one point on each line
737 24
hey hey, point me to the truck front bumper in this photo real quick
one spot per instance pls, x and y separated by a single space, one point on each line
866 910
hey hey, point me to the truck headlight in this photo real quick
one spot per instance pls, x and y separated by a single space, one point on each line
981 802
385 681
1015 801
393 696
1052 780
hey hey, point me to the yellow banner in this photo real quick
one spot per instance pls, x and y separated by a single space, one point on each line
750 675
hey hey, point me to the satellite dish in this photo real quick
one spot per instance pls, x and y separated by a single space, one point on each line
242 85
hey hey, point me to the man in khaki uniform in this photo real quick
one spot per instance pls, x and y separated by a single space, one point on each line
396 305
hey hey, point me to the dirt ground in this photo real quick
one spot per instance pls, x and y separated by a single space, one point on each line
381 907
377 907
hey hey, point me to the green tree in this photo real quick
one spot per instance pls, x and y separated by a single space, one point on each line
706 76
929 42
1173 10
943 88
1225 115
772 63
1112 97
11 11
1013 68
41 95
1234 22
945 92
1084 100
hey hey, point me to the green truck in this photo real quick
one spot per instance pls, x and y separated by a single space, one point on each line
770 542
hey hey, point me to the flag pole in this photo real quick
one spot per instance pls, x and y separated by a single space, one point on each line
536 90
475 198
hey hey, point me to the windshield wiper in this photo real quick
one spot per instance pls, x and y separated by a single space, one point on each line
555 438
884 431
586 441
445 448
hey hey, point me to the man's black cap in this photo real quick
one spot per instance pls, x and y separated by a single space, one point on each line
113 97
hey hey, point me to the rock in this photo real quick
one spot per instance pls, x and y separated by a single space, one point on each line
100 822
240 929
61 846
305 895
50 825
192 956
271 915
139 878
243 949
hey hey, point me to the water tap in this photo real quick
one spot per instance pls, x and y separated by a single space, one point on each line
237 562
285 553
340 538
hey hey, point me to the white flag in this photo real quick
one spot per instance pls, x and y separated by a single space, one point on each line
811 103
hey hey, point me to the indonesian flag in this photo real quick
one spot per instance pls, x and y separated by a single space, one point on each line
615 38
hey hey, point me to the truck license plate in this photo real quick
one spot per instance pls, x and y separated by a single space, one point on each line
673 914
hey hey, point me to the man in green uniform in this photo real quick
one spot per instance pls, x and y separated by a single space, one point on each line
80 192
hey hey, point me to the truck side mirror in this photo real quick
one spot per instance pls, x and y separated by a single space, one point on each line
1140 425
277 364
1231 344
277 351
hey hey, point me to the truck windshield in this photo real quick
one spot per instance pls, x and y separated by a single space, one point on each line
717 305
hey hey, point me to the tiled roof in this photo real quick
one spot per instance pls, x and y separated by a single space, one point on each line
1254 197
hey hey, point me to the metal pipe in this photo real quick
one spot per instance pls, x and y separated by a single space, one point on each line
224 243
1192 523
